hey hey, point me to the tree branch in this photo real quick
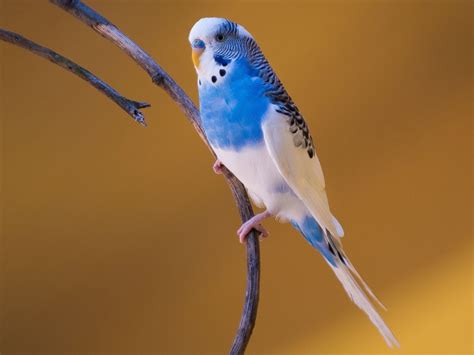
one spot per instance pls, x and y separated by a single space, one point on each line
129 106
159 77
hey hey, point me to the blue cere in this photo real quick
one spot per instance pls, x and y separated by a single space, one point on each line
233 107
313 234
197 43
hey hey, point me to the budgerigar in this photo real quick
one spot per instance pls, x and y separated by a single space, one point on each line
258 133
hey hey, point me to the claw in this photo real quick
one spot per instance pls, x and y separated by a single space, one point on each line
253 223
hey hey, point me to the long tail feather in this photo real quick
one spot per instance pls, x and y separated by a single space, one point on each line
353 270
331 248
358 296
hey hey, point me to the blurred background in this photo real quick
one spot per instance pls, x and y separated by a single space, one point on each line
119 239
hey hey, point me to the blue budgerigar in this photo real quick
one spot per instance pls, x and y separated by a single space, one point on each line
258 133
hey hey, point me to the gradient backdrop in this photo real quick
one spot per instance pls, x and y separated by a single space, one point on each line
120 239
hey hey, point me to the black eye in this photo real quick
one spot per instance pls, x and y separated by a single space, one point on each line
219 37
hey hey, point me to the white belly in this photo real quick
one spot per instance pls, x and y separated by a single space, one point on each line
254 167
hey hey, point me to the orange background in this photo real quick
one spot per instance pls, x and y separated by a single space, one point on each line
120 239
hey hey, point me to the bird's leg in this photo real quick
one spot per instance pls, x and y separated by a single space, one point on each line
217 167
253 223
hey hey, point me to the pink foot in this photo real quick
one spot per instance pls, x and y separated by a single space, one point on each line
217 167
253 223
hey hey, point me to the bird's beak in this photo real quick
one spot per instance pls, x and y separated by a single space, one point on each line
198 47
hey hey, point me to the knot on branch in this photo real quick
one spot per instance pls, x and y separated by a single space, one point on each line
158 79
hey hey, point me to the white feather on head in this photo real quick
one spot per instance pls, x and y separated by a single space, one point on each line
206 28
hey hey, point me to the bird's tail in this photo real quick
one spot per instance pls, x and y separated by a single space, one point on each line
356 288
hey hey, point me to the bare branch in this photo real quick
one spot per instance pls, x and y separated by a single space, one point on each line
129 106
105 28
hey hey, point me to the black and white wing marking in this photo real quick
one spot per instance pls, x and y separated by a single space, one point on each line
279 97
290 145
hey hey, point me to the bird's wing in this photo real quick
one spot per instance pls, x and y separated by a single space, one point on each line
300 169
290 144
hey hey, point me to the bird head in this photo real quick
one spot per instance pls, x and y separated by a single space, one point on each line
216 37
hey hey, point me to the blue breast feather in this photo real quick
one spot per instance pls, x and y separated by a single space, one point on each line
232 108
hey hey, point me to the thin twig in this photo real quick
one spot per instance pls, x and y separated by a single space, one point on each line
129 106
105 28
